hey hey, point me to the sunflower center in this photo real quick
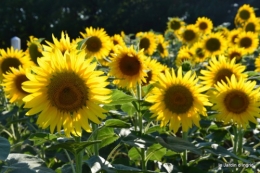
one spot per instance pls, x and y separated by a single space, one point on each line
115 42
178 99
175 25
189 35
129 65
246 42
200 53
160 48
93 44
144 43
236 102
203 26
148 78
34 52
18 83
10 62
67 92
250 27
244 14
233 40
222 74
213 44
236 55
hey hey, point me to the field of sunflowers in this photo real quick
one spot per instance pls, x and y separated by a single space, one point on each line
183 100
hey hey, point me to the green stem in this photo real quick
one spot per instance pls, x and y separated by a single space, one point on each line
71 162
235 139
184 154
96 147
240 134
140 123
79 157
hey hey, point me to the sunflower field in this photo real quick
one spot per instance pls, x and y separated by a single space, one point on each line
183 100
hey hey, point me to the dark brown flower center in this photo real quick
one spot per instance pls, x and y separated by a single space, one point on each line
93 44
245 42
189 35
236 102
213 44
250 27
222 74
144 43
18 83
67 92
175 25
9 62
244 14
129 65
178 99
203 26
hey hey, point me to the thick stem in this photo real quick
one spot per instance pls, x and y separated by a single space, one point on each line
184 154
235 139
140 123
240 133
95 131
78 158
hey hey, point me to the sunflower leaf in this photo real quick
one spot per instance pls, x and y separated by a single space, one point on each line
116 123
40 138
120 98
72 146
177 144
4 148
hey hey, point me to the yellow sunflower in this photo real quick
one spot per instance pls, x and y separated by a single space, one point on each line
128 67
236 101
178 100
214 44
257 64
252 25
64 44
235 52
232 36
154 69
248 40
244 13
12 83
204 25
147 42
175 24
199 54
66 92
162 46
96 42
12 58
118 40
220 69
34 49
222 30
190 34
184 54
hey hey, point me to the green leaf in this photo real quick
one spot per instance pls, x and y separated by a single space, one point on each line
134 153
40 138
155 152
81 43
135 140
120 98
116 123
5 114
24 163
4 148
177 144
155 128
72 146
128 108
97 163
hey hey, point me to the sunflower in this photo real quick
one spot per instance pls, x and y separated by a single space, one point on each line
66 92
12 83
257 64
12 58
235 52
236 101
34 49
184 54
154 69
96 42
64 44
199 54
147 42
162 46
190 34
232 36
222 30
178 100
175 24
252 25
128 67
244 13
220 69
248 40
214 44
118 40
204 25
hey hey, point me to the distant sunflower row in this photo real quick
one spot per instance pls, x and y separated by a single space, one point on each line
193 68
